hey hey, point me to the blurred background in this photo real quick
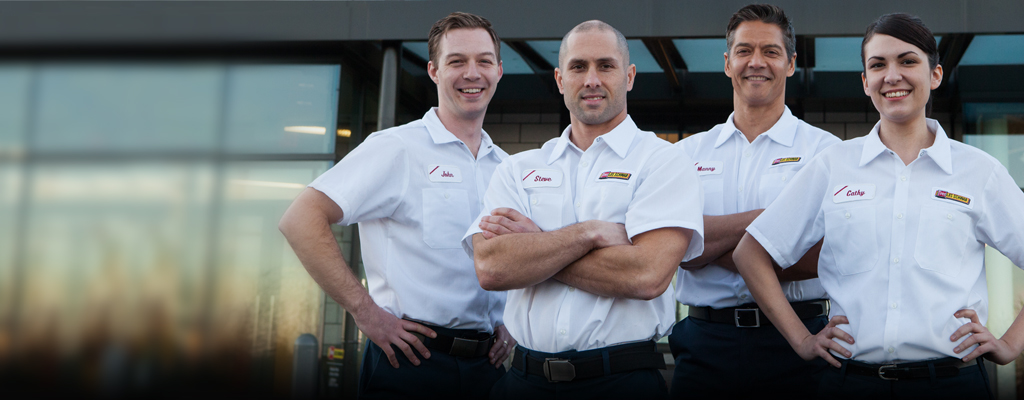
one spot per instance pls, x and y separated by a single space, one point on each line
149 148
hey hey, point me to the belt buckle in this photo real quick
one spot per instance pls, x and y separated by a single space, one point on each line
757 317
463 347
559 370
882 369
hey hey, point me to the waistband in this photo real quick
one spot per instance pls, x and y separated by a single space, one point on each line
575 365
938 368
750 315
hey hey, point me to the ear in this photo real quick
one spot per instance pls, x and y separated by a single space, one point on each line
728 71
432 71
630 76
501 71
792 65
864 80
937 76
558 81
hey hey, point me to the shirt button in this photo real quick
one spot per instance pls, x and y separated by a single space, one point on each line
903 177
894 306
746 154
891 349
949 216
572 289
847 215
741 188
578 204
899 216
896 260
743 296
534 201
584 164
446 195
562 332
783 179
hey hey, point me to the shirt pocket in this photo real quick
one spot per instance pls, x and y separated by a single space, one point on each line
445 217
546 210
854 230
941 240
714 201
770 187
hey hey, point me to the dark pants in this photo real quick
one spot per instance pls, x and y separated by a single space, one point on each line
637 384
442 376
715 360
970 384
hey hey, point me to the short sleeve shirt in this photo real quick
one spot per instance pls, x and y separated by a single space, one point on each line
626 176
414 189
904 244
738 176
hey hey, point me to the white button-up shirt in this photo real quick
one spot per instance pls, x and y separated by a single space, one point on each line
626 176
740 176
414 190
904 244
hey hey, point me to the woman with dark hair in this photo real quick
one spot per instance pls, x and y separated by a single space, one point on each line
905 213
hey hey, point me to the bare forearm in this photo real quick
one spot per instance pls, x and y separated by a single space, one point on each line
521 260
721 234
755 265
642 270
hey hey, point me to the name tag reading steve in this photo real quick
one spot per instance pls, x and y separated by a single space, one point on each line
533 178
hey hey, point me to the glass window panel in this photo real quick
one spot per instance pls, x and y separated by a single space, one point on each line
994 50
512 63
10 193
702 55
998 129
639 55
123 107
15 81
282 108
837 54
420 49
547 49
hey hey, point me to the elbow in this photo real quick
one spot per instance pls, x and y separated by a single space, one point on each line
652 286
487 274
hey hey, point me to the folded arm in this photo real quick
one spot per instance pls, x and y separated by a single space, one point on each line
721 234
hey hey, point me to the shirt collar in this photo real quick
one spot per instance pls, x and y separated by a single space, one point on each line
618 139
441 135
783 132
939 151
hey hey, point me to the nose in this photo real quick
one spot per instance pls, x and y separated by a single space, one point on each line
592 80
757 60
892 74
472 72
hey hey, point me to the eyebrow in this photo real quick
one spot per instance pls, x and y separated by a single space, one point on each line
488 53
904 54
744 44
612 60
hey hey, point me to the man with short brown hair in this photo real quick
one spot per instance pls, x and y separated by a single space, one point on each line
414 190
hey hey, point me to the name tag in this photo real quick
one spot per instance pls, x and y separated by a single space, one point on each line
845 193
541 178
785 161
444 173
709 167
958 198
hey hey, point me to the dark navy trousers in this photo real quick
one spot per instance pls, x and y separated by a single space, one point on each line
442 376
970 384
721 361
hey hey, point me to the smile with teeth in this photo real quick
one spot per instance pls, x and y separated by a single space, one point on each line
593 97
470 91
898 93
756 78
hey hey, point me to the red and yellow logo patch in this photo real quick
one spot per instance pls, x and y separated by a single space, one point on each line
942 194
615 175
785 160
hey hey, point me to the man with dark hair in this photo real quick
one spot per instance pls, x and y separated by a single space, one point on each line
727 348
585 233
414 190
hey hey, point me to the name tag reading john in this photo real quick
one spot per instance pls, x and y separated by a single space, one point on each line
845 193
444 173
533 178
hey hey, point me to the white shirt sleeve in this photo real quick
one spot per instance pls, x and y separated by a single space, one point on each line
794 221
670 195
370 182
1002 222
501 192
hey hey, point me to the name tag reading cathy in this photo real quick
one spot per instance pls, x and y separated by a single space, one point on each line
444 173
533 178
845 193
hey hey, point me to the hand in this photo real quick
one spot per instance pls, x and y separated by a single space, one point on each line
386 330
819 345
502 348
607 234
506 220
997 350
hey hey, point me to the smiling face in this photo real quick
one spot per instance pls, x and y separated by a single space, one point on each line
466 72
594 77
758 65
898 78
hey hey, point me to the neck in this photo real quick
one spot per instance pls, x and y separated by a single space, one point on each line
906 138
582 135
465 129
753 120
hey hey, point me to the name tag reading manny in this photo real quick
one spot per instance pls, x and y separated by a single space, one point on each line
541 178
444 173
845 193
709 167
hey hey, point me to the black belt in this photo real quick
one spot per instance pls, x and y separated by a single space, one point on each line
750 316
474 344
566 366
942 368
